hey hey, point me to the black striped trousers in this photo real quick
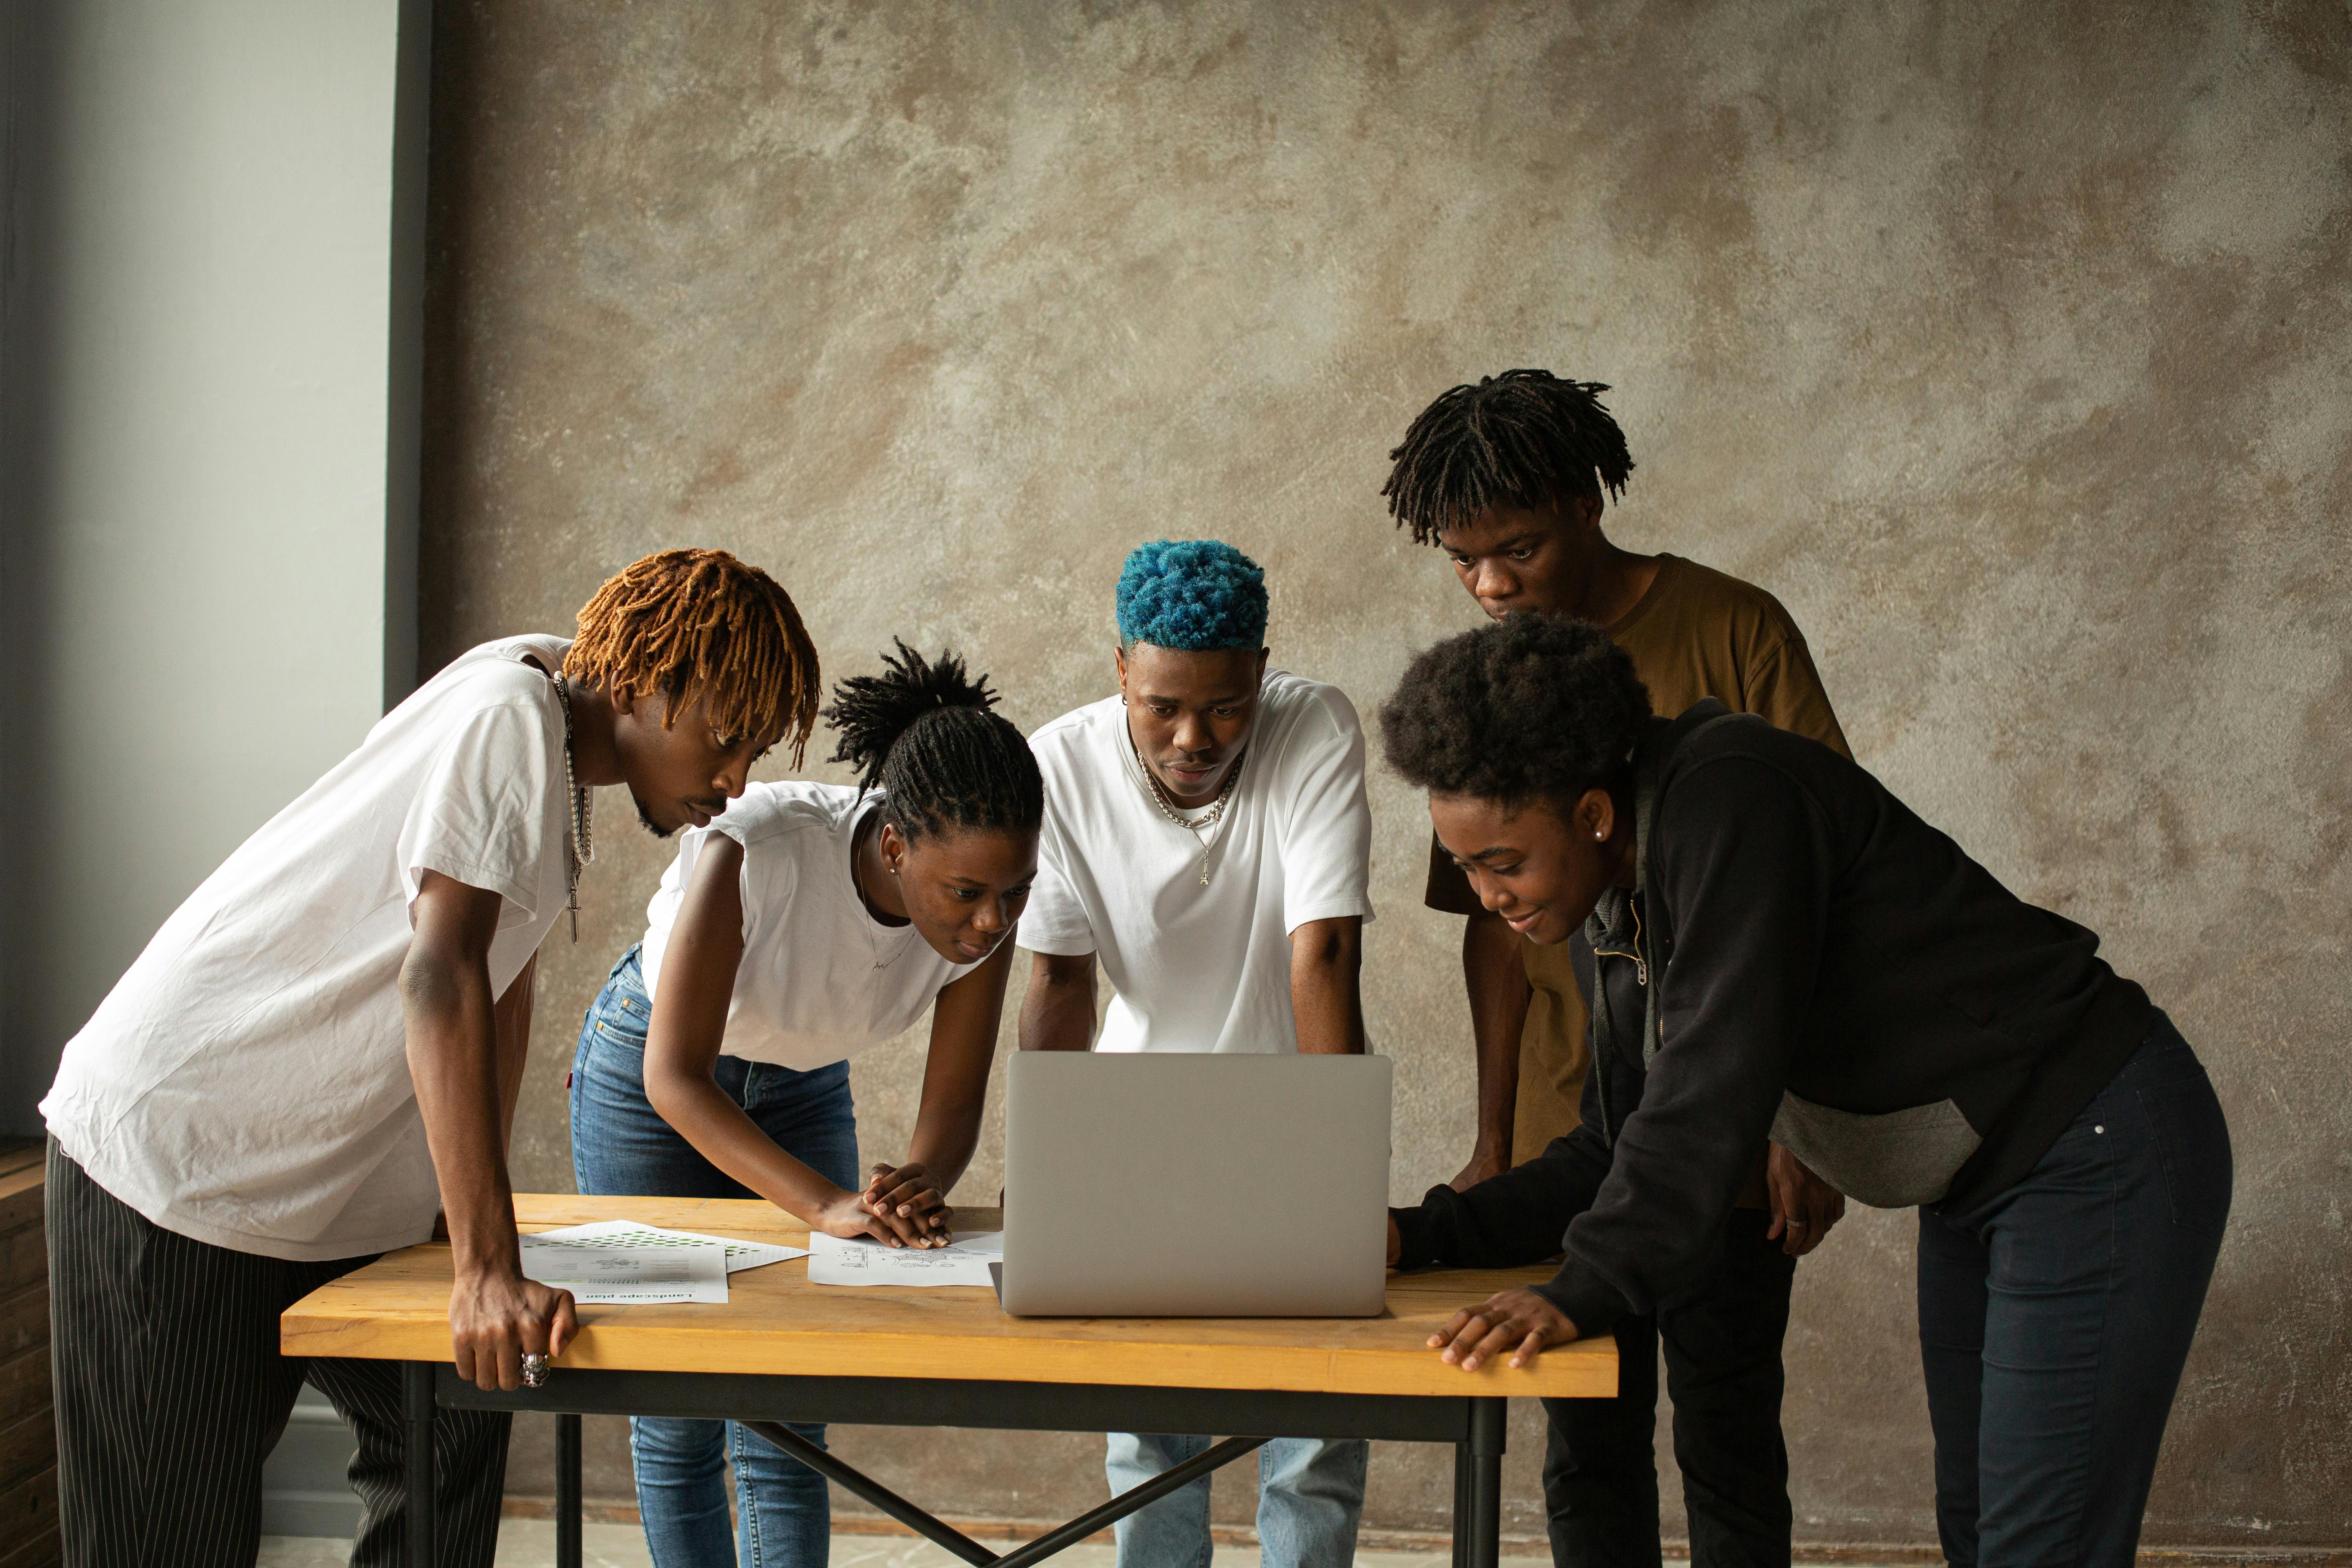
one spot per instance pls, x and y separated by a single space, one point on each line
170 1393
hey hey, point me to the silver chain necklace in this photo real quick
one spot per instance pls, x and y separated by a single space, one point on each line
580 847
1195 826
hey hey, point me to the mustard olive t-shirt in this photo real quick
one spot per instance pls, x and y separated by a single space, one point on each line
1696 633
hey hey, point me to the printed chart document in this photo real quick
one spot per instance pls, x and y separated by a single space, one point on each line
621 1263
858 1261
628 1275
740 1255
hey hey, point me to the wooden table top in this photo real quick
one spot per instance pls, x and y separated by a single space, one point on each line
775 1321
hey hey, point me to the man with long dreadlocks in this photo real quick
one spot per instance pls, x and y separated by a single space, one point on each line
321 1050
1507 479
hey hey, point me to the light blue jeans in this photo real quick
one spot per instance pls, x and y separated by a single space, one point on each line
1310 1498
621 1145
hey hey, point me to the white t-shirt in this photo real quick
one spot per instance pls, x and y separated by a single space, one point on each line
821 979
246 1082
1201 969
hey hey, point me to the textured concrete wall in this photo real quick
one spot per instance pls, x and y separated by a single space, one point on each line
2005 342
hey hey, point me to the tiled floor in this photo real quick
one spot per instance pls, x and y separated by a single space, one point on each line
530 1543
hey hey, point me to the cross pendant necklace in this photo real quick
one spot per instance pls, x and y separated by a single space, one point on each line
1196 825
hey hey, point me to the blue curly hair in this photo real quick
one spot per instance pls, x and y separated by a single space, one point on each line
1190 594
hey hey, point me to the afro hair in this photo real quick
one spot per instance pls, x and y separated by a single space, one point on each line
1190 594
1529 708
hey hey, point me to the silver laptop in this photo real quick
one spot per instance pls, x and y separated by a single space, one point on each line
1221 1186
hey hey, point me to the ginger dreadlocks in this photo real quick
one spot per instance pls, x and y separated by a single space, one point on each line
1522 438
692 623
924 734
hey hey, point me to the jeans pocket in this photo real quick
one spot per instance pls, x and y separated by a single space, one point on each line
2192 1142
619 1020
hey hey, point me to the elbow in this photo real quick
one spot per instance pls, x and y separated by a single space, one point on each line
1337 951
669 1092
426 984
1067 980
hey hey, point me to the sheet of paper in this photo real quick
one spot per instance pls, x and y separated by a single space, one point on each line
740 1255
833 1261
599 1275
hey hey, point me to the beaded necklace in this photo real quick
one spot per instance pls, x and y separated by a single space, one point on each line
580 848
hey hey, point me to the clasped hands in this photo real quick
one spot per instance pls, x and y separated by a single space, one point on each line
900 1206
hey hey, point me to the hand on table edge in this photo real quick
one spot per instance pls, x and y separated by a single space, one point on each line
497 1317
1517 1320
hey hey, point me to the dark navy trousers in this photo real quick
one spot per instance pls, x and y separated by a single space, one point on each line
1722 1341
2054 1320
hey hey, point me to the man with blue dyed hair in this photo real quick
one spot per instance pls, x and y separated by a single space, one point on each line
1207 840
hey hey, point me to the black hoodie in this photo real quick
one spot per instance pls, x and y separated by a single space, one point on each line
1842 977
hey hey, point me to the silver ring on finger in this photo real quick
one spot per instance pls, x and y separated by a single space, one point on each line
534 1370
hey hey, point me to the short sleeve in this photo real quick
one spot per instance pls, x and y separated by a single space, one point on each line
1055 920
765 885
480 815
1785 690
1327 840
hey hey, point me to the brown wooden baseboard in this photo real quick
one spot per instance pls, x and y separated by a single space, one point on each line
28 1447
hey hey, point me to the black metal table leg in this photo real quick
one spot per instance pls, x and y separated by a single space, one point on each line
1483 1493
567 1491
416 1417
1461 1505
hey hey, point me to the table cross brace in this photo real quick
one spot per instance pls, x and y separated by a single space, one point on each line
934 1529
1473 1426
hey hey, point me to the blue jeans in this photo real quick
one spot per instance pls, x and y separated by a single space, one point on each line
1310 1497
2054 1321
619 1146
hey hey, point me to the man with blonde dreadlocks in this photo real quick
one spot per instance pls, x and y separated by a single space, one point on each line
321 1050
1507 478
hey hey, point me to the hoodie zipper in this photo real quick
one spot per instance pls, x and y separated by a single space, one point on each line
1641 965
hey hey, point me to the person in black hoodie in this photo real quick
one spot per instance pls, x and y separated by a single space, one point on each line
1775 946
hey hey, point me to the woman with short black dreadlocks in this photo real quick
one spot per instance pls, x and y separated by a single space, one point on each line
810 922
321 1050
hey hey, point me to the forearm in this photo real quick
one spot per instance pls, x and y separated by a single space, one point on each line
965 1022
719 1131
944 1143
1519 1217
1058 1013
514 1047
1495 976
1326 989
453 1059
